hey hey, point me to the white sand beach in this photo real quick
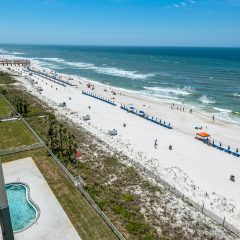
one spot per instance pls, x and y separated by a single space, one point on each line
199 171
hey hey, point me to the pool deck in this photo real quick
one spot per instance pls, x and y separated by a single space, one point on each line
53 223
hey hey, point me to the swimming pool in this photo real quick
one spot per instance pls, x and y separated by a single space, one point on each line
23 211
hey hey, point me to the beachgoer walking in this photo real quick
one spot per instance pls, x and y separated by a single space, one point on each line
213 118
155 143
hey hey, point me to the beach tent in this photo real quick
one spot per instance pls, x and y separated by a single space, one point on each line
203 134
141 113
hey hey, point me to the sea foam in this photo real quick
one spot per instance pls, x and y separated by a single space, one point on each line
3 51
223 110
170 91
112 71
53 59
206 100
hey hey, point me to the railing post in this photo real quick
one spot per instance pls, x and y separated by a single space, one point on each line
224 221
202 208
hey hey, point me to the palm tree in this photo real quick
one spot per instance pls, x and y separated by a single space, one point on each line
16 102
71 144
25 106
61 133
51 120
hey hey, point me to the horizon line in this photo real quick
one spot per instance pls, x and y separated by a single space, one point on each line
118 45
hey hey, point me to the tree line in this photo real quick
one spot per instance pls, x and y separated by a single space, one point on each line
59 139
21 104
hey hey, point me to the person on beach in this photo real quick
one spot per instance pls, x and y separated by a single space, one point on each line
213 118
155 143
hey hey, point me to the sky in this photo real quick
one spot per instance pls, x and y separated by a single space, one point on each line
121 22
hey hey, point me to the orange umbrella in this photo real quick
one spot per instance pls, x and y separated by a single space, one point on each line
203 134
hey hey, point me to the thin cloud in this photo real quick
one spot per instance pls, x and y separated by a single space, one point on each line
182 4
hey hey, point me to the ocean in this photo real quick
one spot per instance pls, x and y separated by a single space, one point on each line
204 78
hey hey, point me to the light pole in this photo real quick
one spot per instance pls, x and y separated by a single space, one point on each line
5 220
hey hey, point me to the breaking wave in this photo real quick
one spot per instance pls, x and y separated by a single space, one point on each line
117 72
123 73
53 59
81 65
48 65
223 110
112 71
206 100
167 93
225 114
170 91
3 51
236 94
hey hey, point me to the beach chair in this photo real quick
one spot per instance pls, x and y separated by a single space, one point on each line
214 145
227 151
221 148
235 154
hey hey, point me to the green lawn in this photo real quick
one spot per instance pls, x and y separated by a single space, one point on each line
84 218
82 215
14 134
5 110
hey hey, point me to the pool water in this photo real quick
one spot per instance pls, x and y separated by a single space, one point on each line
22 211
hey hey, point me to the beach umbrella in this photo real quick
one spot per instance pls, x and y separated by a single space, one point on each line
204 134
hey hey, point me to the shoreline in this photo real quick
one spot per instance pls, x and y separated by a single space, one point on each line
191 167
204 116
160 100
145 96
